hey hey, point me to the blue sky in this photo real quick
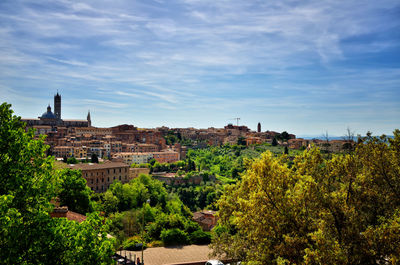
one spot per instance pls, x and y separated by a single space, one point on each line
303 66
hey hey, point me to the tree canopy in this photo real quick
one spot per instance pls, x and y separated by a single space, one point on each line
28 235
341 210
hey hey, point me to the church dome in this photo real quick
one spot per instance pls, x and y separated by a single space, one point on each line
48 114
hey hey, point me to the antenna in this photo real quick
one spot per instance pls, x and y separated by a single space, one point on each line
237 121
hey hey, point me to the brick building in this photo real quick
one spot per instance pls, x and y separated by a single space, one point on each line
100 176
166 157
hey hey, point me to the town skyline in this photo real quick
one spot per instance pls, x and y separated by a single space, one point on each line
306 68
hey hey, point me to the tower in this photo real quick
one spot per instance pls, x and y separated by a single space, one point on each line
259 127
89 120
57 106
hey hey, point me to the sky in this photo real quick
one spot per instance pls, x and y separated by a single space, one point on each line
306 67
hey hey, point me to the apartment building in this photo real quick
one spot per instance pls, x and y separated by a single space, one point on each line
166 157
130 157
99 177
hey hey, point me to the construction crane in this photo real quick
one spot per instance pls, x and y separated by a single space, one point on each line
237 121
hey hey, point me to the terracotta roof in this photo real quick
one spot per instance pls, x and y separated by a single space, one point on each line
87 166
63 212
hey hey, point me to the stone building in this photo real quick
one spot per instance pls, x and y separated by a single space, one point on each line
99 177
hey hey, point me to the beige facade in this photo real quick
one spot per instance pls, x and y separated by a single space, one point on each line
92 130
135 172
142 148
80 152
130 158
63 151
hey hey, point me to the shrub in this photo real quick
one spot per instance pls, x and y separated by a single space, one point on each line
155 243
200 237
133 243
174 236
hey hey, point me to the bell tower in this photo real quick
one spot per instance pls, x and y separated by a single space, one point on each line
57 106
89 119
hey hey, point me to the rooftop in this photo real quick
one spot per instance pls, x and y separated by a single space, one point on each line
86 166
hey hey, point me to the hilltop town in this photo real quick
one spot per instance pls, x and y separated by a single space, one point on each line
123 145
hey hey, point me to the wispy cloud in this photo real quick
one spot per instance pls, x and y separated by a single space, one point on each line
206 58
103 103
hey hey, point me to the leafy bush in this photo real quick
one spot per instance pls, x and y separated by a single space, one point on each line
72 160
155 243
134 244
174 236
200 237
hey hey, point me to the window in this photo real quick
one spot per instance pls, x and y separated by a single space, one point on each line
102 180
119 177
108 179
114 177
91 181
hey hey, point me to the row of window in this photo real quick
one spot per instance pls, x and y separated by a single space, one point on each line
108 171
108 179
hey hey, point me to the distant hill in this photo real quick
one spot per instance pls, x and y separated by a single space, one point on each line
321 137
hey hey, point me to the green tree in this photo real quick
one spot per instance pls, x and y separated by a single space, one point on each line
284 136
73 191
341 210
274 142
174 236
72 160
94 158
28 235
241 140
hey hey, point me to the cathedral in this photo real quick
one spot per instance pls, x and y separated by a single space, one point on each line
54 119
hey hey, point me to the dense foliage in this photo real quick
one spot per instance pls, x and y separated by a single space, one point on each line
228 161
342 210
28 235
198 197
144 206
73 192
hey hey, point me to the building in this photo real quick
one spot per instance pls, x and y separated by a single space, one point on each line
92 131
298 143
130 157
135 172
63 212
54 120
99 177
166 157
63 151
206 219
141 148
253 140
